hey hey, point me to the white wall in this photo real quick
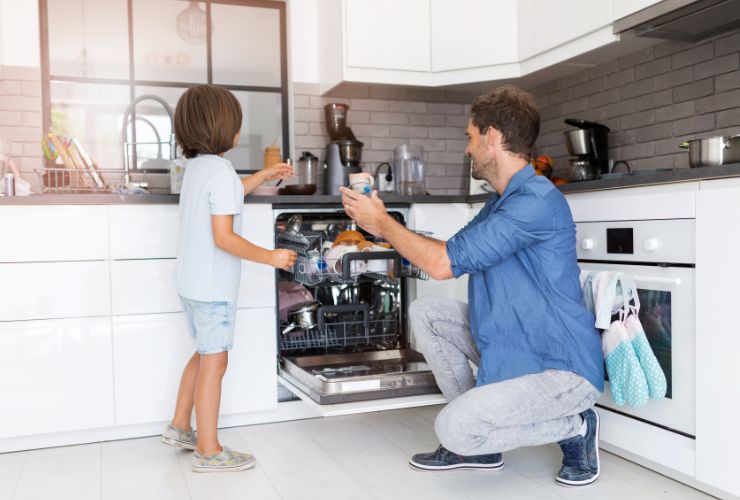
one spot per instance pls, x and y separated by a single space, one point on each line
303 48
19 33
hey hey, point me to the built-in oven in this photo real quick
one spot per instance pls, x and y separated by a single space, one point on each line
660 255
342 329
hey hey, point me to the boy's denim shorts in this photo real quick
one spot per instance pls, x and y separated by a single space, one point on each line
211 324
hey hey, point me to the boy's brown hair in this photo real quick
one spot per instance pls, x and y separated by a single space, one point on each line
512 112
207 119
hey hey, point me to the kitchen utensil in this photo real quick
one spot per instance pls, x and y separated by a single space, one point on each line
349 237
590 144
408 163
307 169
294 224
361 182
582 170
578 142
298 189
290 295
713 151
280 181
302 316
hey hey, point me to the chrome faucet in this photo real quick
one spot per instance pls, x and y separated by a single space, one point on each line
124 133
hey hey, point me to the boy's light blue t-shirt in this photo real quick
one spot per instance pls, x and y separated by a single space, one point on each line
204 271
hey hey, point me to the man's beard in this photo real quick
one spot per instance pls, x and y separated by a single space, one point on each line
484 170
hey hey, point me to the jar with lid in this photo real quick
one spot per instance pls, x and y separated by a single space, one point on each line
272 155
306 174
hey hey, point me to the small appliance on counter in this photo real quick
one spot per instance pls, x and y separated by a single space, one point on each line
344 153
306 172
408 163
589 147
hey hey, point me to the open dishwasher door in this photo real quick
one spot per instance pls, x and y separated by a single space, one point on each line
345 339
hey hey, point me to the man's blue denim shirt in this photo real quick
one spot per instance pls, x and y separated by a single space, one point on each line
526 303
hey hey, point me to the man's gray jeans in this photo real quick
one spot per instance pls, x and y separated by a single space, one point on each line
524 411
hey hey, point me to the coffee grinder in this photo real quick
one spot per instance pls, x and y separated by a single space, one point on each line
343 153
588 145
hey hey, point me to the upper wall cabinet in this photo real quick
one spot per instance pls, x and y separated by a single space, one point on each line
473 33
431 43
388 34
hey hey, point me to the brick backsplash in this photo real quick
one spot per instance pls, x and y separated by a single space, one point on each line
652 100
385 117
20 117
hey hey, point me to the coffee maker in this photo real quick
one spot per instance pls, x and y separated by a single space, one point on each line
343 153
589 147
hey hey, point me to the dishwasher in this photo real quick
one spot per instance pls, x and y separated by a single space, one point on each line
342 326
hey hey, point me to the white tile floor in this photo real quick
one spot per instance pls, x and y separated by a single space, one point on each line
352 457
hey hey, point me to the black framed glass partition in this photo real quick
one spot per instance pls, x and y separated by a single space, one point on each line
99 56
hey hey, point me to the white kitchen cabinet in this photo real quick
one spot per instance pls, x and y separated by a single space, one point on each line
432 43
144 286
55 375
38 290
160 345
40 233
387 34
443 221
144 231
257 288
455 33
623 8
718 342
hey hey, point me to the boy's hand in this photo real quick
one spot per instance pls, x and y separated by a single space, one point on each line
278 171
282 259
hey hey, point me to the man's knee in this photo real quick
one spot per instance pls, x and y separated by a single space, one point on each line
455 431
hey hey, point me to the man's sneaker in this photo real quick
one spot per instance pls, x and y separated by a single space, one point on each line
444 459
179 438
581 454
226 461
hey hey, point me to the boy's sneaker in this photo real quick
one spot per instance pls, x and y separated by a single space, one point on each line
179 438
226 461
444 459
581 454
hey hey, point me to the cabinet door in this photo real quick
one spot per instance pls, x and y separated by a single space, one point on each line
144 286
454 34
257 288
55 375
152 350
554 23
39 290
144 231
443 221
718 342
387 34
53 232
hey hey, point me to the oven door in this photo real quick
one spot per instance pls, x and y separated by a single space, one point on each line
667 303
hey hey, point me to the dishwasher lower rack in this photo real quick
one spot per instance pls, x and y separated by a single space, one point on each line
313 268
349 326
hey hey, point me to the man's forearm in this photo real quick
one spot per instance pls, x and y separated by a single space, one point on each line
428 254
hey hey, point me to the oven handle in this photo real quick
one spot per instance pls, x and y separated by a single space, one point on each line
659 281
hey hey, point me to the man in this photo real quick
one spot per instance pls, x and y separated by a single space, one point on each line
540 367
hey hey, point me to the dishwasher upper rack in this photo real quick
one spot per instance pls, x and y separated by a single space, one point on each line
312 268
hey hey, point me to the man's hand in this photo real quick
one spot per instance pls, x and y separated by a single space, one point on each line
282 259
278 171
368 211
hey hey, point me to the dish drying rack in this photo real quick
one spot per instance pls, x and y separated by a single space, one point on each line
348 325
312 268
68 180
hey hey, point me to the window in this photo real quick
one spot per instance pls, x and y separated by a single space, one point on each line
98 56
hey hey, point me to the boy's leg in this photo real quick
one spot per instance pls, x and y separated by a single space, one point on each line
208 400
186 394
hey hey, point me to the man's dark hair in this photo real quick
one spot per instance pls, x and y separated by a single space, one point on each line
207 119
512 112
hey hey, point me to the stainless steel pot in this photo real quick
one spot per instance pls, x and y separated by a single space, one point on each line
713 151
302 316
578 142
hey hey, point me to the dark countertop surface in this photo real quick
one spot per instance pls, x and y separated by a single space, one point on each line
627 181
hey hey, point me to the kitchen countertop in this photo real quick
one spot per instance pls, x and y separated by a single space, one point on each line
656 178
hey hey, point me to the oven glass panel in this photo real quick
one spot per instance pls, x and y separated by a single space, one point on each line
655 316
